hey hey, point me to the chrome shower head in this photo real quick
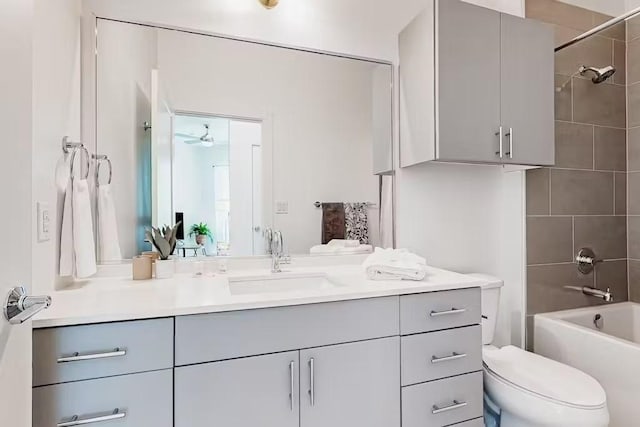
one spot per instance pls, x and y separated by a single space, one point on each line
601 74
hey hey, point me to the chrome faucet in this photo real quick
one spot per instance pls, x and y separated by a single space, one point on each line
607 296
277 249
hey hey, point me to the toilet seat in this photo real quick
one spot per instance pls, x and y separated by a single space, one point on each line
544 378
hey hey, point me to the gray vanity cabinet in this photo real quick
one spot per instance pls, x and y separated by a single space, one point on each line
476 86
353 384
254 391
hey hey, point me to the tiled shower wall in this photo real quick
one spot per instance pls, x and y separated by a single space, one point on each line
633 96
581 201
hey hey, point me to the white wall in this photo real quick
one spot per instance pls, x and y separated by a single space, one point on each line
56 113
16 86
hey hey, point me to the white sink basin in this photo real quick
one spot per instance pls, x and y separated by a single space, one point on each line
278 283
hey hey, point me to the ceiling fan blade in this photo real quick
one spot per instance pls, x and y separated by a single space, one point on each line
192 141
185 135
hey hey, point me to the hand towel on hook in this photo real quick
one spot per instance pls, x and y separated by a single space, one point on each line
83 241
108 241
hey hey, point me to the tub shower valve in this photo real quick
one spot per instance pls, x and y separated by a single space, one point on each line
586 260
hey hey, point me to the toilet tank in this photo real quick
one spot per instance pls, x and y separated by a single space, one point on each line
490 303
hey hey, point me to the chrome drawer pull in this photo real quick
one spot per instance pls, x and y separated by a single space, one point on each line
456 405
292 384
454 356
77 421
77 357
447 312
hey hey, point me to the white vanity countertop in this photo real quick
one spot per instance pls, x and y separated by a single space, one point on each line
118 299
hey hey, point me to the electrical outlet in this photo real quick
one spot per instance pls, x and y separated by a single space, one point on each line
44 222
282 208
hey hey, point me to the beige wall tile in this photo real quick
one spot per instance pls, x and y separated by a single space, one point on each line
633 61
620 207
537 191
634 280
549 240
574 145
633 100
575 192
620 62
595 51
633 193
610 149
564 34
617 32
546 292
563 94
633 28
613 275
559 13
634 237
599 104
633 148
606 235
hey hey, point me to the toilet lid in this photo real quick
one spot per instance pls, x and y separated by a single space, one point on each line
544 377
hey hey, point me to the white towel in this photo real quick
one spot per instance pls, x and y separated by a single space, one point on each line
340 250
83 242
395 264
66 265
108 241
342 243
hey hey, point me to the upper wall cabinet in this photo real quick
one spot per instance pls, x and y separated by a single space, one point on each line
476 86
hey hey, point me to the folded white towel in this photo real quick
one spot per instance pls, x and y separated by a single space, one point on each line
83 242
342 243
395 264
339 250
108 241
66 264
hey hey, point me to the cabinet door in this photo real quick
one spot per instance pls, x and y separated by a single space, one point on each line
255 391
468 76
356 384
527 91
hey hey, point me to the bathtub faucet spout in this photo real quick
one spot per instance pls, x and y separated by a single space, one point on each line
607 296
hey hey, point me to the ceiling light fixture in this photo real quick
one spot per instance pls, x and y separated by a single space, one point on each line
269 4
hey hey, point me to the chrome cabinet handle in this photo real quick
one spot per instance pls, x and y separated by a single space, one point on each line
77 421
447 312
77 357
18 307
312 379
510 135
292 384
454 356
500 138
455 405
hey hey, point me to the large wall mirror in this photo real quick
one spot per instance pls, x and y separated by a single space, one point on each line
239 136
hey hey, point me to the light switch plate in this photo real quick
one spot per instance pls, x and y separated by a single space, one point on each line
44 222
282 208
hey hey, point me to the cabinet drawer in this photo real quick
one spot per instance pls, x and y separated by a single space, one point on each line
478 422
439 310
94 351
436 355
442 402
220 336
141 400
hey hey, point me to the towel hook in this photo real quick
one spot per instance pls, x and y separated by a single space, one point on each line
99 158
75 151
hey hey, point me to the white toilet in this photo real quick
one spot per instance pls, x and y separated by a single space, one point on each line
523 389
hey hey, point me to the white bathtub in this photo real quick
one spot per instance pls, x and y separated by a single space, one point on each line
610 354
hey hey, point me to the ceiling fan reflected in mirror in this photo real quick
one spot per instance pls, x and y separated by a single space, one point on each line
205 140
